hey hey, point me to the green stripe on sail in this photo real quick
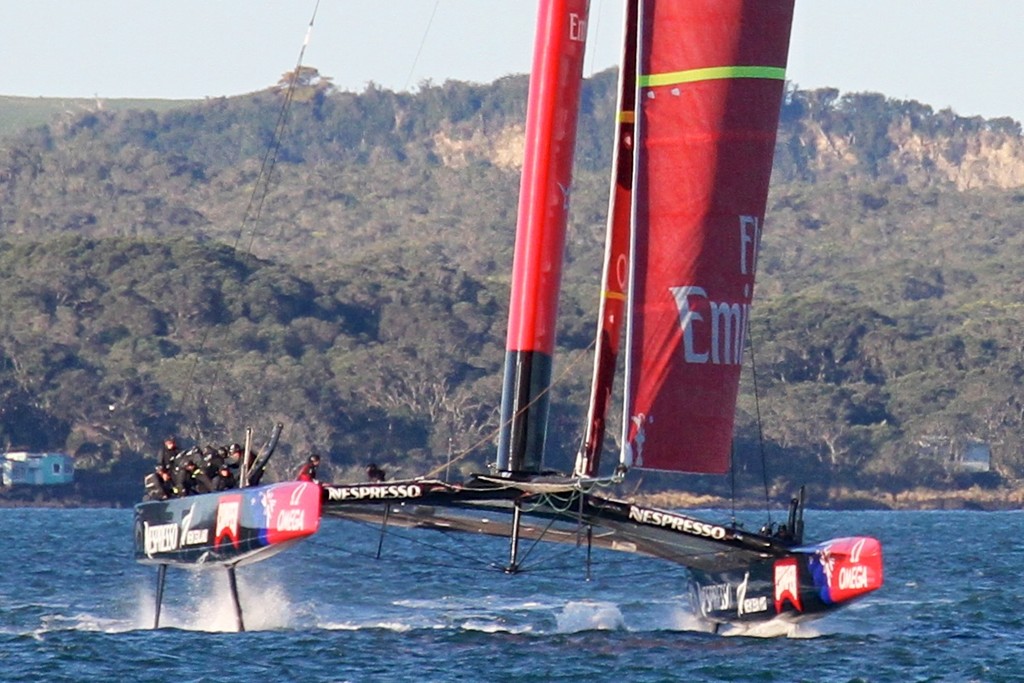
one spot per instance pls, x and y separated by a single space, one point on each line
711 74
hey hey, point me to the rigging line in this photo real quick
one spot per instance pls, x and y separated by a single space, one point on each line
612 566
760 431
613 563
576 357
456 562
267 165
270 158
475 563
592 54
613 570
472 553
547 501
432 546
423 41
371 555
537 541
732 481
542 565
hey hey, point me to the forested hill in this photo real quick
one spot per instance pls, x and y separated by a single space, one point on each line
150 286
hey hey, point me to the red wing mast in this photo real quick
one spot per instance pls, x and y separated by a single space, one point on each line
551 119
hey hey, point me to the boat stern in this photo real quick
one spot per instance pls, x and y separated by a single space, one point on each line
799 584
227 528
845 569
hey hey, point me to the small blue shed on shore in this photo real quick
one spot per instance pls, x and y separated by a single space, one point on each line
21 467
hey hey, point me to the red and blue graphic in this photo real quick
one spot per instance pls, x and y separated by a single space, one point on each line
847 568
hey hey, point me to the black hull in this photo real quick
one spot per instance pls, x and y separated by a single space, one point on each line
228 528
738 576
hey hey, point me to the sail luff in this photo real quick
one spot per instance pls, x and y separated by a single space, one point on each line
616 258
711 82
626 450
552 113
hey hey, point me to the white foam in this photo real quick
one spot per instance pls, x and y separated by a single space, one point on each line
679 618
477 602
589 616
201 601
394 626
495 627
773 628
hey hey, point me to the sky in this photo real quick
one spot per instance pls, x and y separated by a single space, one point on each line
961 54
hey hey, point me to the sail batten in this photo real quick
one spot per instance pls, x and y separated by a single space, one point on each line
711 74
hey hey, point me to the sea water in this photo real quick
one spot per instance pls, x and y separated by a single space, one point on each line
74 606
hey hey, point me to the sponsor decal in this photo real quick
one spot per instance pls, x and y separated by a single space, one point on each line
269 502
296 499
856 550
713 331
381 492
843 570
717 597
161 538
752 605
577 28
229 510
292 511
787 584
196 537
190 536
745 605
293 516
853 578
675 522
291 520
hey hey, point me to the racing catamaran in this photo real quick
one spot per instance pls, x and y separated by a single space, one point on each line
700 90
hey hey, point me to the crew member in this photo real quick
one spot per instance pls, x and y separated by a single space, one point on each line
374 473
224 479
158 484
212 460
234 458
308 471
184 479
169 453
201 481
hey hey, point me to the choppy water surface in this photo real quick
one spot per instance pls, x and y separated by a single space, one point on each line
74 606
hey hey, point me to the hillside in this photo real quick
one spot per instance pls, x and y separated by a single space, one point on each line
151 286
19 113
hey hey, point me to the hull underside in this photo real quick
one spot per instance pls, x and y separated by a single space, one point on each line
737 576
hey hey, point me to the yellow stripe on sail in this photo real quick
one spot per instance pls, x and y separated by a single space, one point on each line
712 74
627 117
609 294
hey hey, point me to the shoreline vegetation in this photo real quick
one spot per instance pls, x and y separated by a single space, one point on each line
841 498
977 498
369 307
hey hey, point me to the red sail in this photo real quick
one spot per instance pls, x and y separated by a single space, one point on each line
709 93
